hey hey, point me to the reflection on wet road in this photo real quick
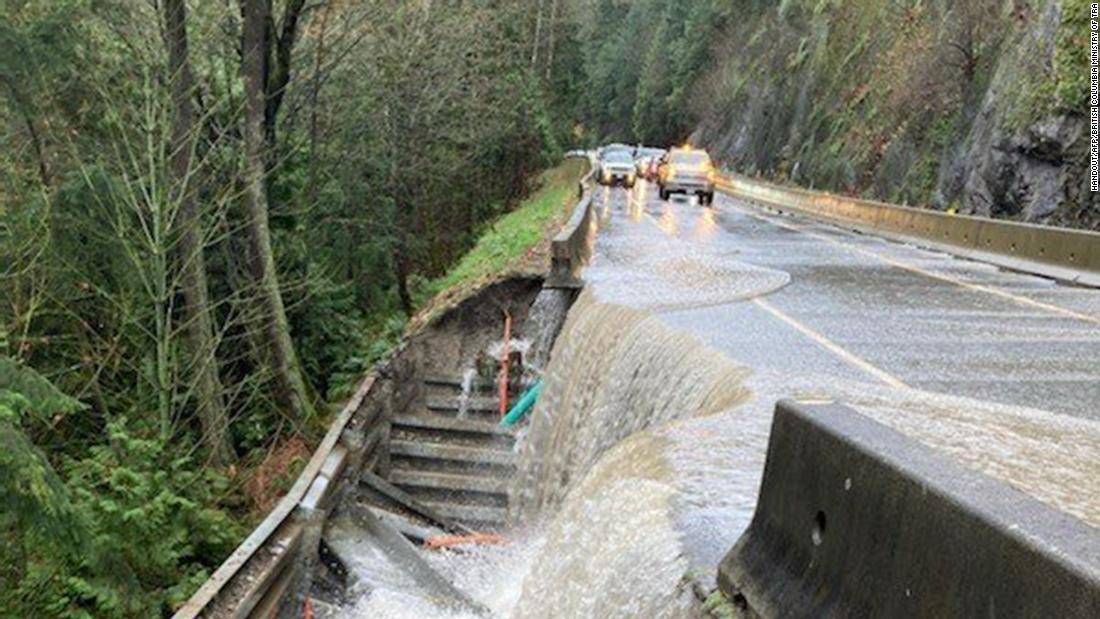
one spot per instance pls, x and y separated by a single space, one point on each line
863 308
959 355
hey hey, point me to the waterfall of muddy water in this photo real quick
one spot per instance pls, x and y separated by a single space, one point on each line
642 461
615 371
543 324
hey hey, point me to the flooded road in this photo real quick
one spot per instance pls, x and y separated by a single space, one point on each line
642 461
999 370
863 308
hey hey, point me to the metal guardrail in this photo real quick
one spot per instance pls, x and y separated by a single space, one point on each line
572 246
857 520
255 578
1061 253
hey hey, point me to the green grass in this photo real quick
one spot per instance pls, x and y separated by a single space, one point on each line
508 239
502 248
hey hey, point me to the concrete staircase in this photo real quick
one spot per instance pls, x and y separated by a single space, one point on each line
453 467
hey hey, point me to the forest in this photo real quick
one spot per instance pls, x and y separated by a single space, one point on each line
213 218
974 107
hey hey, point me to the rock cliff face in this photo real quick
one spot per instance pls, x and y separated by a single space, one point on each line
977 106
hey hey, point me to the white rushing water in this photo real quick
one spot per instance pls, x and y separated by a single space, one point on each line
642 460
468 377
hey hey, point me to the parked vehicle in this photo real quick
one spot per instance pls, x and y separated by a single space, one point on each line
603 151
688 171
617 167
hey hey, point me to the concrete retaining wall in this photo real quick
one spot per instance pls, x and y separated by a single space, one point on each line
857 520
572 246
1065 254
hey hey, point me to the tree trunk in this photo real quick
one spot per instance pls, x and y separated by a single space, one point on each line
20 104
314 103
401 272
290 387
278 77
538 34
196 306
550 27
39 151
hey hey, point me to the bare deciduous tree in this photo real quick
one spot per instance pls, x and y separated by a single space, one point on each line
292 394
196 308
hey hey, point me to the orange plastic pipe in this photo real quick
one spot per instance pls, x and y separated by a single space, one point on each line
505 353
449 541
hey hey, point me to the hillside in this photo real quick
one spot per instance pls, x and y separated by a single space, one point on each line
973 106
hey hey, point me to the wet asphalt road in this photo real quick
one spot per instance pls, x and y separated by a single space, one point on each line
862 308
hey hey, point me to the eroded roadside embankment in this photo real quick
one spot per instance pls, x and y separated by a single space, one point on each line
641 464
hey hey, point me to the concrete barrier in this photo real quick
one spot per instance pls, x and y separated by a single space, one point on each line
1060 253
572 246
857 520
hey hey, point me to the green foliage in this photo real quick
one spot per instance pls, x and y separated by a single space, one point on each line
508 238
403 131
156 520
35 501
1071 57
26 394
642 61
717 605
126 534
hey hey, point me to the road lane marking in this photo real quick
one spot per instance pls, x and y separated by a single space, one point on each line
831 346
932 274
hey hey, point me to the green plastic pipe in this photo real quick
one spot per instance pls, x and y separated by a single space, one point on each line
523 405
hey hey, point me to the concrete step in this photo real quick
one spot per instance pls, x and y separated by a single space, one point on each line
435 428
475 404
444 381
382 494
454 453
459 497
430 421
413 528
409 479
476 516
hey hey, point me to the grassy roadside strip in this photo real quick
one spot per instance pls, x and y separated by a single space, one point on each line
516 243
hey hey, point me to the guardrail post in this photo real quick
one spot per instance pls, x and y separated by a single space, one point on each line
313 520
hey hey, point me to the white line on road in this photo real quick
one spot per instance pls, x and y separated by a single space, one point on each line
831 346
932 274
